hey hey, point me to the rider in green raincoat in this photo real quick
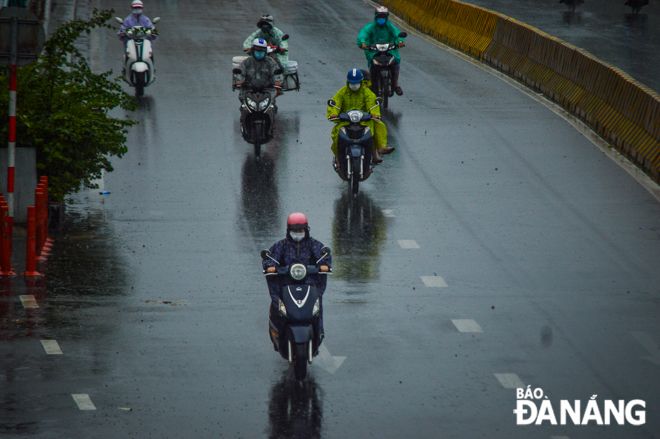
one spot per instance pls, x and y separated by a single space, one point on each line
382 29
273 36
355 95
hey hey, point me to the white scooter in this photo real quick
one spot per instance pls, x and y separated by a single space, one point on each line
139 69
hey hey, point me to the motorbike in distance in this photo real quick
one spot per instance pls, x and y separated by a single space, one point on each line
138 68
299 307
257 111
382 69
354 145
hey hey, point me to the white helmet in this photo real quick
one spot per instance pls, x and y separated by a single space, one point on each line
382 10
259 45
136 4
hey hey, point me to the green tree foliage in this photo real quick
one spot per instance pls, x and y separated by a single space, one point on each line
63 110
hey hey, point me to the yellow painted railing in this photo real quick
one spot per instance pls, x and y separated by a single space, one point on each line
621 110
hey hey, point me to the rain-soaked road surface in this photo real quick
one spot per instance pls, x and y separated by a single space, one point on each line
606 28
496 246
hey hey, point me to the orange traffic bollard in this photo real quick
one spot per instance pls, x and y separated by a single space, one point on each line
31 259
5 250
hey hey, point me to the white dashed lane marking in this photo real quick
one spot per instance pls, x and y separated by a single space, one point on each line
408 243
389 213
559 437
51 347
650 345
509 380
83 400
328 361
29 302
467 325
434 282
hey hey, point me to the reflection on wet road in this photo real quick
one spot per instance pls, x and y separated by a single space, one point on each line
295 409
359 231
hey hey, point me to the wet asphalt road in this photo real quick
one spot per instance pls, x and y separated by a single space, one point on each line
155 295
606 28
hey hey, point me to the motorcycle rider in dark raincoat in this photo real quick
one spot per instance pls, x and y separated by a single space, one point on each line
297 247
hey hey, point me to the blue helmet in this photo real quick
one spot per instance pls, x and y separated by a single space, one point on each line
354 76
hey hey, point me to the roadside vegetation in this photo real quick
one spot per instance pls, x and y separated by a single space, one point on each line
63 110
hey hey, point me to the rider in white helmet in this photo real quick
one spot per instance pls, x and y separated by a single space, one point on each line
381 29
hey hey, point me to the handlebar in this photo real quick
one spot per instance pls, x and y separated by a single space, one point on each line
284 271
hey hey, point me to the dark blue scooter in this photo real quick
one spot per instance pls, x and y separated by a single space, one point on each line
296 334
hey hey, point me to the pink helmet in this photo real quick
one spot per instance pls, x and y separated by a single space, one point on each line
296 221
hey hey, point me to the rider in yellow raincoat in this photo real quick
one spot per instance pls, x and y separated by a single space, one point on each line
355 95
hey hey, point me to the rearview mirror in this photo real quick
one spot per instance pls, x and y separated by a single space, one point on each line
237 71
155 20
379 100
119 20
285 37
325 251
265 254
403 34
332 103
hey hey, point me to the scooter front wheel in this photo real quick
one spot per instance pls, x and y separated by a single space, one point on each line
300 362
257 149
354 183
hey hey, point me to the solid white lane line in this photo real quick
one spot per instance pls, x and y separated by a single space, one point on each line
51 347
434 282
467 325
83 400
559 437
408 243
649 344
509 380
29 302
389 213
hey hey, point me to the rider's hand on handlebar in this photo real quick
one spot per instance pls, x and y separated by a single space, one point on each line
323 268
401 44
375 116
271 270
364 46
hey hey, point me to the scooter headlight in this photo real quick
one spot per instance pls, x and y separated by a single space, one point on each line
282 308
264 104
317 307
355 116
251 104
382 47
298 271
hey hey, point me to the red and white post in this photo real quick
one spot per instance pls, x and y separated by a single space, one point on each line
11 151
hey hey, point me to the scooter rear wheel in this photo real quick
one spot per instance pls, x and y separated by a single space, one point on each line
385 90
300 362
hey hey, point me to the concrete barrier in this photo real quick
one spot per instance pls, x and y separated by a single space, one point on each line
618 108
